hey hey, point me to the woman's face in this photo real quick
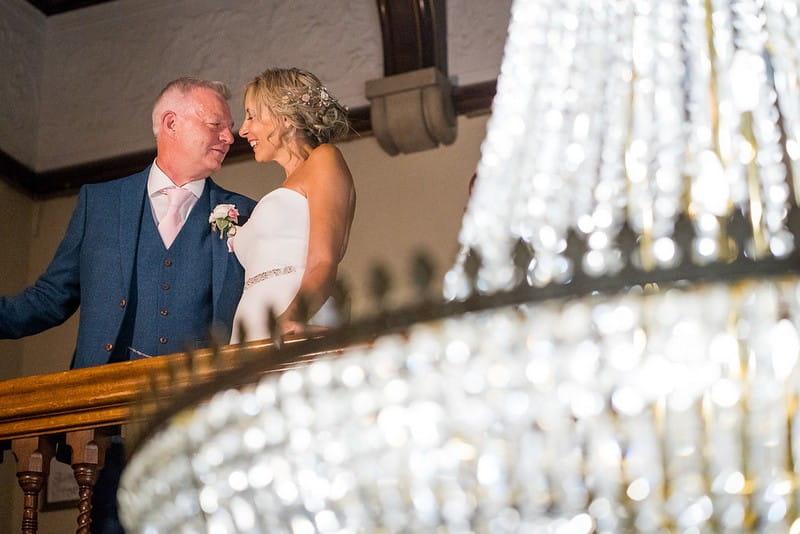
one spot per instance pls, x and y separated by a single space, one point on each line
261 130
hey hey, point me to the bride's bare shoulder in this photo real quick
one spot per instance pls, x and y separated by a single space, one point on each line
326 162
325 152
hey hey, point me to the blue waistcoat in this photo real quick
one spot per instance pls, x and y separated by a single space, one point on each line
171 308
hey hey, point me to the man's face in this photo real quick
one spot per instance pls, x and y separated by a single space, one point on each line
204 132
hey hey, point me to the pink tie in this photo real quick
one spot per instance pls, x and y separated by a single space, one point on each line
171 224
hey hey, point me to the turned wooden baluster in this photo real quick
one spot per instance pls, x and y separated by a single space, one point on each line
33 457
88 454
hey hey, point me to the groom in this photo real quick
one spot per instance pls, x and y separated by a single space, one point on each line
140 259
139 256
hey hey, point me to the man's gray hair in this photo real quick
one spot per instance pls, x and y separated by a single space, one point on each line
181 87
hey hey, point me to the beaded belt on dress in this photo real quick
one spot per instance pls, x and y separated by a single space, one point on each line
260 277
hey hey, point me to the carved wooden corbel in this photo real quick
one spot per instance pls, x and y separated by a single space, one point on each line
411 107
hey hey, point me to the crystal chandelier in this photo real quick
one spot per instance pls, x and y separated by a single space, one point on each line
622 357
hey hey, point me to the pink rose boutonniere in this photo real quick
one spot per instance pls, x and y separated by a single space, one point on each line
223 219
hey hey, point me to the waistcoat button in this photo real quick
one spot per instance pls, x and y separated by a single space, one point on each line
109 347
162 340
165 286
123 303
168 262
164 312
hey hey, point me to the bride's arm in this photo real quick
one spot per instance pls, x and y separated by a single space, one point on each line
328 186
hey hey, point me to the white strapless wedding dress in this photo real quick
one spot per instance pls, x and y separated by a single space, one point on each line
272 247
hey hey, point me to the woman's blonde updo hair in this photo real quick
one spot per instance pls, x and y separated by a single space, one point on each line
299 96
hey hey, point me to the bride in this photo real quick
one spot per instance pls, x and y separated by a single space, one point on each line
297 234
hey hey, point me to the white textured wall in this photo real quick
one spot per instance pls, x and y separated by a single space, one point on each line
104 65
476 34
21 51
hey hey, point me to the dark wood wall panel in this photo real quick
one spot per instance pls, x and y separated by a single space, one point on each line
54 7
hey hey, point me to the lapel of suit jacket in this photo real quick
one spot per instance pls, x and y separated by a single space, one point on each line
219 248
130 214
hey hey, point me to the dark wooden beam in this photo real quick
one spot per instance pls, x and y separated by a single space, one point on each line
414 35
54 7
68 179
16 174
474 99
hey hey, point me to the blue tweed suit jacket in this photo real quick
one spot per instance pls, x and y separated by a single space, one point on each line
94 264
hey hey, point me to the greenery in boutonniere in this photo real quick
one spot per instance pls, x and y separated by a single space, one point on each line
223 219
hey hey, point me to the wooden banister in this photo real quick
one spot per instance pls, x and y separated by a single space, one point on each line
88 454
33 457
96 397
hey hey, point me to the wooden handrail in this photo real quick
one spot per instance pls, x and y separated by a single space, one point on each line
100 396
103 396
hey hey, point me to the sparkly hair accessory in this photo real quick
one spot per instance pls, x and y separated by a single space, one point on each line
313 97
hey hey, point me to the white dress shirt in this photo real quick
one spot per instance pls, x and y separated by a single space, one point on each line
157 181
